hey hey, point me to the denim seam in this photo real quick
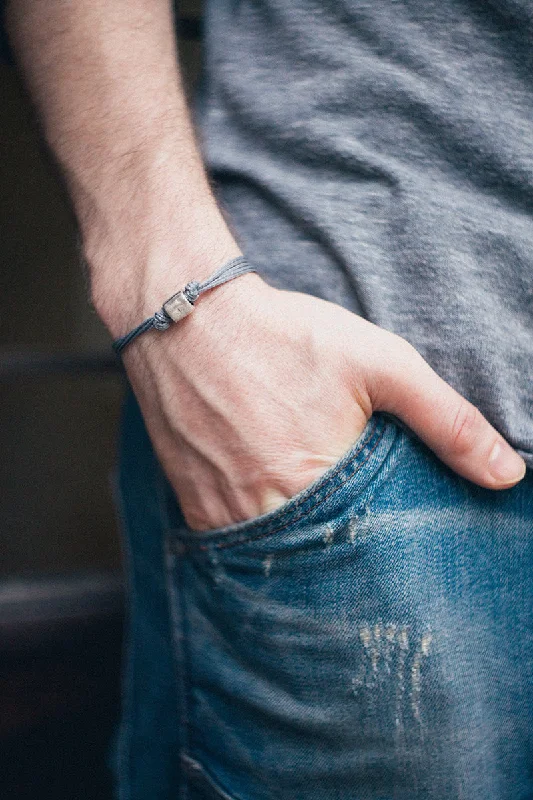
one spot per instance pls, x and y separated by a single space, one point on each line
196 768
123 735
178 633
319 500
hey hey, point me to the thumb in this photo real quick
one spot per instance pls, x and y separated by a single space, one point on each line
451 426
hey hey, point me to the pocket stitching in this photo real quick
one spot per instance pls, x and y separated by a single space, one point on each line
250 537
190 540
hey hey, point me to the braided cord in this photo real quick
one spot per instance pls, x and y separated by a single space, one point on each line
232 269
161 321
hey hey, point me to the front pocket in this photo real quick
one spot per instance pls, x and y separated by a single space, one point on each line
357 467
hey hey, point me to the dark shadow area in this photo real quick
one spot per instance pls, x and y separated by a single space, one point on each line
59 685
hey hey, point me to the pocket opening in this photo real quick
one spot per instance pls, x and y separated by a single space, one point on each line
371 449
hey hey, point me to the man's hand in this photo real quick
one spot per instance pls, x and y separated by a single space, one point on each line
259 391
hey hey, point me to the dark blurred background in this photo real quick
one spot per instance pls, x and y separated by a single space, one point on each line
61 588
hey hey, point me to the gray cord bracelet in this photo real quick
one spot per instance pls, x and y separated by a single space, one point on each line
182 303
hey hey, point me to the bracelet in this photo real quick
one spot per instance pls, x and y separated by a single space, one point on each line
182 303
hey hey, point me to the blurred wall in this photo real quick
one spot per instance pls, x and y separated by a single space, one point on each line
58 430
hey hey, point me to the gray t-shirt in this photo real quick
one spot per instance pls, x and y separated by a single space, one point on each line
379 153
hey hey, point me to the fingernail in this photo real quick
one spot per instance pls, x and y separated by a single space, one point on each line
505 465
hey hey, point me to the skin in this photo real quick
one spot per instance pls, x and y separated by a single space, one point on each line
259 391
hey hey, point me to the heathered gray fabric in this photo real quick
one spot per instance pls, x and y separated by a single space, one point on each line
380 154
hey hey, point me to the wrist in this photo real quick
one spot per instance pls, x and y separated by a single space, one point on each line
147 228
182 303
215 317
129 286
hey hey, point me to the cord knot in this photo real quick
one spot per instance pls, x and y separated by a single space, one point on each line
192 291
161 321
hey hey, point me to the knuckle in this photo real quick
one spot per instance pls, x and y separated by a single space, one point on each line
394 372
406 355
403 344
465 428
395 355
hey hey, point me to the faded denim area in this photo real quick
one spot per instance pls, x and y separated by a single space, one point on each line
370 640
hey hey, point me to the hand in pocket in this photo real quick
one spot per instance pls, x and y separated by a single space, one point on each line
260 391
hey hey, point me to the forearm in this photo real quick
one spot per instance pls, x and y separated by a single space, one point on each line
105 79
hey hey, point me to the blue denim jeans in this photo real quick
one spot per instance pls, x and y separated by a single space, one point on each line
372 639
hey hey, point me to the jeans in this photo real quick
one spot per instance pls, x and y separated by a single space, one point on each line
372 639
